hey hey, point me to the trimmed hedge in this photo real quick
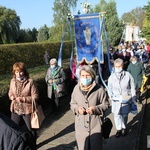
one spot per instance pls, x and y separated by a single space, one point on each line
32 54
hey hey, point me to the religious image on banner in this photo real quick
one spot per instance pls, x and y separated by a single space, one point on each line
87 35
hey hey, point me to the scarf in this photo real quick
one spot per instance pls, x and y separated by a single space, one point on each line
85 89
18 106
54 72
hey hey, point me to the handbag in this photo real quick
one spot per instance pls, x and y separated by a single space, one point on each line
61 89
106 127
37 115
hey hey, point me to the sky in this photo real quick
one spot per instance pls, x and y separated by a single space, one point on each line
37 13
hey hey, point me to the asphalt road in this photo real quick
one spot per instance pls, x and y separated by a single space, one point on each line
57 131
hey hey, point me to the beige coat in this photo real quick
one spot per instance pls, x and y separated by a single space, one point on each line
29 93
88 127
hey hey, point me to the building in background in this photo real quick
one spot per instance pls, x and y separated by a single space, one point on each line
132 33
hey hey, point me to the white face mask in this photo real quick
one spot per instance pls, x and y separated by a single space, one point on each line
20 78
134 62
118 70
53 66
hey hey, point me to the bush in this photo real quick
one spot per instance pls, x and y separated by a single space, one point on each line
32 54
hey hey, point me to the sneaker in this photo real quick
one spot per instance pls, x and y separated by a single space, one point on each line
118 133
124 132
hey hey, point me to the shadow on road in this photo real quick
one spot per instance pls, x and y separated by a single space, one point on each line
67 130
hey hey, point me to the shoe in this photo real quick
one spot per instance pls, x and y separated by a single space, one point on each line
118 133
124 132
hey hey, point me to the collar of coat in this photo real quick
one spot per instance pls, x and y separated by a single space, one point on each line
92 87
123 73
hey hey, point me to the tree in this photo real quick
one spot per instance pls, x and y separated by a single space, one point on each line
112 23
34 34
43 34
61 10
134 17
9 25
27 35
101 7
146 23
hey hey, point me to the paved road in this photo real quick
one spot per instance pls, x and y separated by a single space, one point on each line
57 132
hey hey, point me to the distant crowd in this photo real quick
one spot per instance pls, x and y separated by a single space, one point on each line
128 49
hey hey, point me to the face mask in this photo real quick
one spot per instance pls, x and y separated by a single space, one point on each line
52 66
19 78
86 81
118 70
134 62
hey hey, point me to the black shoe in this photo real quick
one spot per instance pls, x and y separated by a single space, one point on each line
124 132
118 133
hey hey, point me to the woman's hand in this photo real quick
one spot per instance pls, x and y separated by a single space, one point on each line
19 99
50 81
12 98
81 110
90 110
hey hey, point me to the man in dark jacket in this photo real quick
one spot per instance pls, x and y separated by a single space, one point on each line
12 137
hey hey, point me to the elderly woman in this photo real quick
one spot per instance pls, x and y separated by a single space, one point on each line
22 92
137 70
88 103
122 93
55 78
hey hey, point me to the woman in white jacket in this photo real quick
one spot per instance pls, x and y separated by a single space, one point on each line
122 94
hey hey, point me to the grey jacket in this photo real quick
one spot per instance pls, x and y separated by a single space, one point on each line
60 78
124 86
87 125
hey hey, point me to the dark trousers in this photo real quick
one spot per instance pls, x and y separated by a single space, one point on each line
17 119
55 102
138 94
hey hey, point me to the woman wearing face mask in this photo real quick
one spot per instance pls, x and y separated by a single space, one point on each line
122 94
125 56
137 70
55 75
88 103
22 92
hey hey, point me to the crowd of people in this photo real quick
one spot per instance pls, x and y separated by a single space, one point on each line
128 63
89 99
128 49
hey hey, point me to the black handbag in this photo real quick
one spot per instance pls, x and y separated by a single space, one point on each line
106 127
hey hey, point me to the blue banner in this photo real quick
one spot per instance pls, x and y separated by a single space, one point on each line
88 32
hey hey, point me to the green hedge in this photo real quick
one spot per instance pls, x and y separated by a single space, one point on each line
32 54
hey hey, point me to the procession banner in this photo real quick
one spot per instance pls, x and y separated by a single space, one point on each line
88 29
